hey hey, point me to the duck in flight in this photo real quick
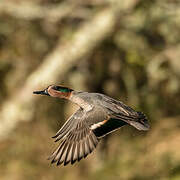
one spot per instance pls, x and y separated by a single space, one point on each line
97 116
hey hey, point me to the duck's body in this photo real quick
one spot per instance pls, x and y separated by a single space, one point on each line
97 116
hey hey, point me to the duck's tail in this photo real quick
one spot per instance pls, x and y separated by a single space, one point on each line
141 122
137 120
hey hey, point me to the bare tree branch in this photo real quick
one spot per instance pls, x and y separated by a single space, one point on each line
29 11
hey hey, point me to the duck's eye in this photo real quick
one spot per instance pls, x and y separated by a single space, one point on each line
55 88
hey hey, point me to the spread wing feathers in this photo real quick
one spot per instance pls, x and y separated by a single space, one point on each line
77 140
77 145
69 124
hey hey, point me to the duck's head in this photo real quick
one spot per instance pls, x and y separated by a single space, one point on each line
56 91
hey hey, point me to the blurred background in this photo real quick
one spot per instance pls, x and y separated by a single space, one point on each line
129 50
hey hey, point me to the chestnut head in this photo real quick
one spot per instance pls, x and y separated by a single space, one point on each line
56 91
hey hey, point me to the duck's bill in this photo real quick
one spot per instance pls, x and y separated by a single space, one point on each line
44 92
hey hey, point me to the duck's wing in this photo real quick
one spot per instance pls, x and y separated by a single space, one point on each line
117 110
138 120
77 137
120 111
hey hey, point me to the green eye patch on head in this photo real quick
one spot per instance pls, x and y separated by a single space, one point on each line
62 89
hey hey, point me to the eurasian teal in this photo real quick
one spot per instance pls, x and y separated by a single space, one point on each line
97 116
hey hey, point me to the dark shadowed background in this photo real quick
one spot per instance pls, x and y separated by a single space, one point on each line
129 50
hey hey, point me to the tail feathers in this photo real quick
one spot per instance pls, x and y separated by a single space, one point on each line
138 120
141 123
